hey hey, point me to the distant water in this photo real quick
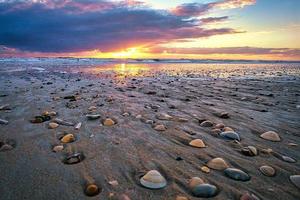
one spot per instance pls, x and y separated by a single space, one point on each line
191 68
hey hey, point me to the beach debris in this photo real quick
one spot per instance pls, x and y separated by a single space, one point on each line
93 117
108 122
164 116
160 127
267 170
204 190
63 122
230 135
249 151
58 148
195 181
68 138
295 179
92 190
74 158
71 97
3 121
236 174
52 125
205 169
197 143
217 164
153 180
206 123
78 125
271 136
248 196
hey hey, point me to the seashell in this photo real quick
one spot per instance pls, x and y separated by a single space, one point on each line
249 151
205 190
52 125
153 180
92 190
3 121
236 174
295 179
58 148
207 124
271 136
74 158
267 170
288 159
68 138
77 126
5 147
197 143
108 122
231 135
205 169
63 122
217 164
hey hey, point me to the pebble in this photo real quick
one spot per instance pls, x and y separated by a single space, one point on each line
224 115
92 190
92 108
295 179
205 190
108 122
267 170
58 148
5 107
68 138
164 116
205 169
197 143
160 127
3 121
249 151
217 164
288 159
6 147
207 124
292 144
93 117
271 136
181 198
195 181
53 125
236 174
219 126
63 122
153 180
227 129
248 196
74 158
231 135
113 183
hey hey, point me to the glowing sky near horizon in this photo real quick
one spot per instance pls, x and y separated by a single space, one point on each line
199 29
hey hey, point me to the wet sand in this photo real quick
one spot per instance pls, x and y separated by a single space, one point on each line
127 150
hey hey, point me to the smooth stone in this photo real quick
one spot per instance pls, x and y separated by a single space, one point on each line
3 121
153 180
6 147
207 124
216 131
271 136
91 108
108 122
231 135
53 125
248 196
195 181
205 169
267 170
58 148
68 138
92 190
219 126
63 122
249 151
160 127
237 174
288 159
74 158
295 179
197 143
227 129
181 198
164 116
205 190
93 117
217 164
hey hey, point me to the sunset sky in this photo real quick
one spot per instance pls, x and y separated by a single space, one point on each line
198 29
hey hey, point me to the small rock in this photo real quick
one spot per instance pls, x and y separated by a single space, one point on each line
248 196
195 181
236 174
271 136
68 138
205 190
181 198
93 117
227 129
63 122
205 169
153 180
77 126
231 135
207 124
197 143
113 183
288 159
92 190
164 116
58 148
92 108
249 151
219 126
267 170
217 164
3 121
74 158
53 125
160 127
108 122
292 144
6 147
295 179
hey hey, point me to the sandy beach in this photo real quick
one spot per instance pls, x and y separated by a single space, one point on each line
135 119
